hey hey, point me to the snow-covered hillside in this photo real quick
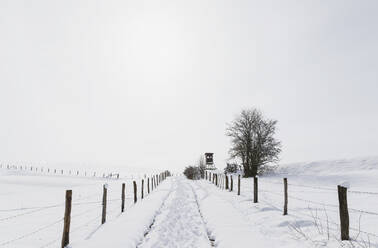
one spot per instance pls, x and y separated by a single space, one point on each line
360 172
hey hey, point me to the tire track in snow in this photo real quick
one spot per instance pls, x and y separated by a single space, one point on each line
209 235
171 190
179 223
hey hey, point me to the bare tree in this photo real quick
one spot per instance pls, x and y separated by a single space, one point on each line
202 166
252 141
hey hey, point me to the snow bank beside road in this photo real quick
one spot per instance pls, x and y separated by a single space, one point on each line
129 229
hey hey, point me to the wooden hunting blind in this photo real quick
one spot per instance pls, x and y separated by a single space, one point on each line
209 158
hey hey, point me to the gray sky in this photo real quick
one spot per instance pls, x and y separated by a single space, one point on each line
153 83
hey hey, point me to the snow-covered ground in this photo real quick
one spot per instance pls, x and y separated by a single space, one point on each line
313 202
183 213
32 206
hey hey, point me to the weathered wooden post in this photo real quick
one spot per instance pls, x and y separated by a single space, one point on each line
104 196
238 184
148 185
226 182
205 175
344 214
216 179
142 188
286 196
255 189
123 198
67 219
135 192
232 184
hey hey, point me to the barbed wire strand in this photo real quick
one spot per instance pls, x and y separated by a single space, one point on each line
31 233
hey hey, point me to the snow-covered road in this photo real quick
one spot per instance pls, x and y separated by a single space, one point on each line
179 223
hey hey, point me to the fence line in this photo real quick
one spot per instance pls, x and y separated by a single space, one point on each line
342 208
324 188
111 212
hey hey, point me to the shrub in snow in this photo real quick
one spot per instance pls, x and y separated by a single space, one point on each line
267 169
192 172
232 168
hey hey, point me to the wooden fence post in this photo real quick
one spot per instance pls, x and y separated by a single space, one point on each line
135 192
226 182
286 196
205 175
104 195
152 183
142 188
343 211
67 219
148 185
232 183
123 198
238 184
255 189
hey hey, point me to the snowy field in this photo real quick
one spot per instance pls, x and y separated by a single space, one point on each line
313 203
32 205
183 213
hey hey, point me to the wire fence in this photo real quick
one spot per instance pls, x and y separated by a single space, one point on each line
306 193
86 212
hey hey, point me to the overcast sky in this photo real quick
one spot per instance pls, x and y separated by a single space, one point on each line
153 83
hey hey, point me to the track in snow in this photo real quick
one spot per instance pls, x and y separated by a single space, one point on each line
179 223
